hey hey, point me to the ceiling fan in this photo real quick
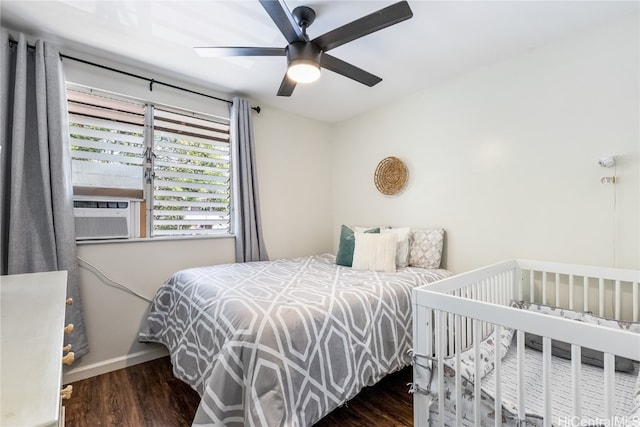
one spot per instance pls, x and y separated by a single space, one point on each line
305 57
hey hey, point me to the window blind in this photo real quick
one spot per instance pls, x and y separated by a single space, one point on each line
107 142
191 179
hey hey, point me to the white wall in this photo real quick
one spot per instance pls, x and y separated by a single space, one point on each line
506 158
293 165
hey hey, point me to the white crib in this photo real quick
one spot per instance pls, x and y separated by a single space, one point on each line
455 314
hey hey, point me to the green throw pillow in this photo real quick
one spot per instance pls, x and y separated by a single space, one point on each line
347 244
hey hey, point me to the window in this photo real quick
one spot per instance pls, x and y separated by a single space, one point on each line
191 175
175 162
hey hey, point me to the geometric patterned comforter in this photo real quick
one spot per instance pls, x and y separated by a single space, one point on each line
283 343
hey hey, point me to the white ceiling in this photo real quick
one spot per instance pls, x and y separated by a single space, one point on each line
443 40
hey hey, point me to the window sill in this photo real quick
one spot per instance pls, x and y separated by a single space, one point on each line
153 239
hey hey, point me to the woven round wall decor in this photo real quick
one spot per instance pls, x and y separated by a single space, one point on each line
390 176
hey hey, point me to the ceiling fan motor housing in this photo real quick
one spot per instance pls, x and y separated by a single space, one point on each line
303 52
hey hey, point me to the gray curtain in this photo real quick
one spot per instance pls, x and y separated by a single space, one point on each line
247 227
36 196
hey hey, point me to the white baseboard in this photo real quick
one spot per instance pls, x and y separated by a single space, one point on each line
99 368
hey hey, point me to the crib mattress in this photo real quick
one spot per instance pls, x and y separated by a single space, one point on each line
592 394
592 391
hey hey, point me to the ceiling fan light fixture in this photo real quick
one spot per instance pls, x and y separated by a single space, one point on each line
303 60
303 71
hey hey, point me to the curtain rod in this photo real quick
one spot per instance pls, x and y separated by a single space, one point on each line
137 76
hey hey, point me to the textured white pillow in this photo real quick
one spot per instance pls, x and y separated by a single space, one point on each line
375 252
402 249
425 247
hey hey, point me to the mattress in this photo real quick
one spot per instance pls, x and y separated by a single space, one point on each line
592 387
282 343
627 385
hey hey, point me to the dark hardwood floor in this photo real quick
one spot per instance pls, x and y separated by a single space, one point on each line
149 395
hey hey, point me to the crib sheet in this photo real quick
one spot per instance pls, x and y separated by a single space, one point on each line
592 391
627 385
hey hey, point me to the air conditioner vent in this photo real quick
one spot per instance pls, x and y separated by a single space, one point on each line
101 204
102 219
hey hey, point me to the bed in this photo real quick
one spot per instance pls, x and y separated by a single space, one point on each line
283 343
536 330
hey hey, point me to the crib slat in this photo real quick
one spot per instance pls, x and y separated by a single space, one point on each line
422 326
601 297
463 330
576 378
618 300
476 375
609 385
511 294
544 287
485 325
474 295
430 330
440 321
585 300
546 379
571 290
497 374
458 376
450 349
557 302
521 389
449 329
518 285
531 285
494 285
507 295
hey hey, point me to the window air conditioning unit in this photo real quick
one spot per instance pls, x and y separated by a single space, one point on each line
105 218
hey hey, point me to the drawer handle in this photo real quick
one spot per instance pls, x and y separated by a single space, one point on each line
65 393
69 301
69 328
68 358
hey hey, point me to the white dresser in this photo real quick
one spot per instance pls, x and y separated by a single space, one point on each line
32 308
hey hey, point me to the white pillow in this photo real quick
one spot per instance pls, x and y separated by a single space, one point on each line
402 249
375 252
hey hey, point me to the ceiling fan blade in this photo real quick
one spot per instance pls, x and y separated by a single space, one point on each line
287 86
283 19
339 66
368 24
205 51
